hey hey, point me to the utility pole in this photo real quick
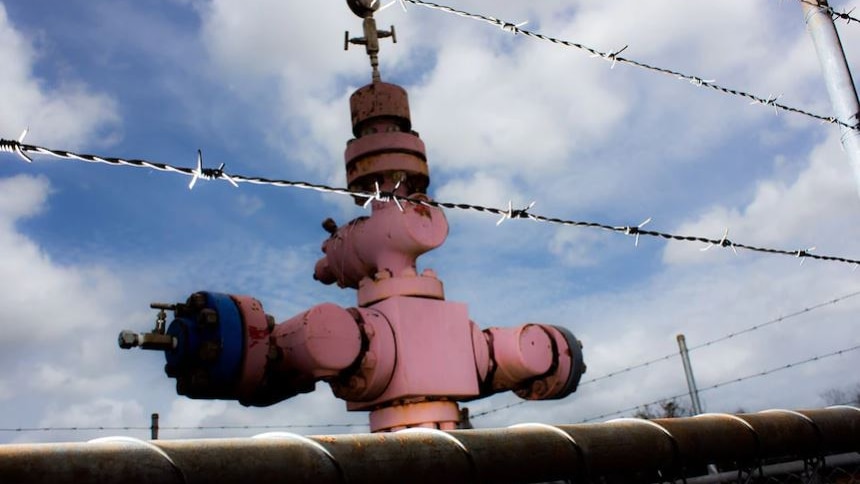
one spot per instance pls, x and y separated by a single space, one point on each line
688 370
837 75
691 385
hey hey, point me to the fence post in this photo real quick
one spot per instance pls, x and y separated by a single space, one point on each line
688 371
154 427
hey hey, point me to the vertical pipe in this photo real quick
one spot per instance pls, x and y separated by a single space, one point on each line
837 75
154 427
688 370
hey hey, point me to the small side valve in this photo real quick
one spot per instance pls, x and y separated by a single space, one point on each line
157 339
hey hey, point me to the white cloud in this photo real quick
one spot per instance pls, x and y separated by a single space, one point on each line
23 197
504 118
248 205
192 413
65 115
815 209
100 412
577 248
508 117
32 286
69 379
509 107
53 314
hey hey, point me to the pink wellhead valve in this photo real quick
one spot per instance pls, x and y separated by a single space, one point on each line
405 354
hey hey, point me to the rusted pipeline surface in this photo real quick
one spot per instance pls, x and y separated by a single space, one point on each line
624 450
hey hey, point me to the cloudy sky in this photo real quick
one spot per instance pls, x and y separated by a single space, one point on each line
263 86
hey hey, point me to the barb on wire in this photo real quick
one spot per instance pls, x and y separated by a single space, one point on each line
209 173
7 146
505 214
724 242
771 101
512 28
384 197
611 56
844 15
512 214
615 58
392 2
628 230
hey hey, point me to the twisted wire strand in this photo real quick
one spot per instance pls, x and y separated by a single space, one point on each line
179 427
21 149
691 349
731 381
615 58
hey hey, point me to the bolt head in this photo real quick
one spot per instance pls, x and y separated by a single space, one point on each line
207 318
274 353
197 301
357 383
182 385
382 275
330 226
209 351
199 381
369 362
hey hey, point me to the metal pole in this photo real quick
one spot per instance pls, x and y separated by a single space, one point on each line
154 427
688 371
837 75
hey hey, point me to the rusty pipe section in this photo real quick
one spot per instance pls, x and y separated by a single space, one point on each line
623 450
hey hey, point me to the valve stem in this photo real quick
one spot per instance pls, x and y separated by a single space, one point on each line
157 339
372 35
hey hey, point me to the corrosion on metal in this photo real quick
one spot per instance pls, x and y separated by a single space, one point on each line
632 449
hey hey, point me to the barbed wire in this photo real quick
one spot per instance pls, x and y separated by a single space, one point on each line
672 355
23 151
729 382
498 409
780 368
633 408
774 321
476 415
179 427
843 15
614 58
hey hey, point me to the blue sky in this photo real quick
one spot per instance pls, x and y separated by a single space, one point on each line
263 86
